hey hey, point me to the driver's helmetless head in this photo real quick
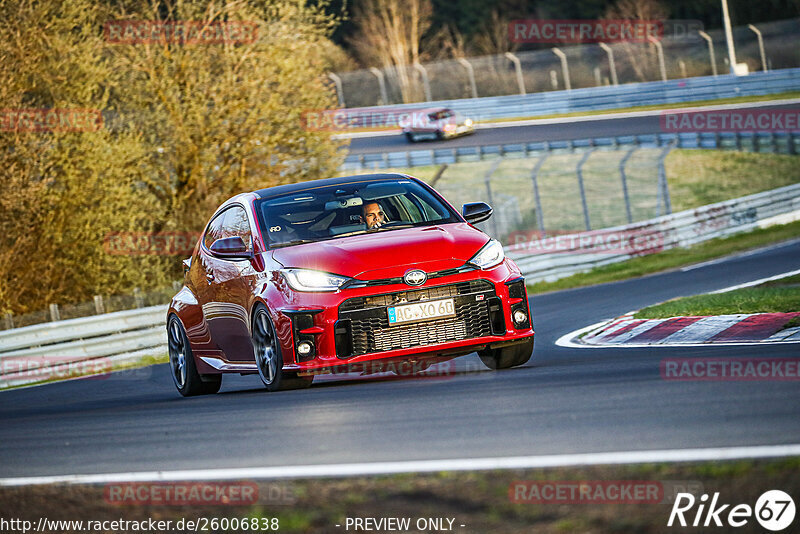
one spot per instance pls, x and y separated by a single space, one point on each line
373 215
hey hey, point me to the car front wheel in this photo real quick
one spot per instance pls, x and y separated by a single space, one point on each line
181 362
505 357
269 359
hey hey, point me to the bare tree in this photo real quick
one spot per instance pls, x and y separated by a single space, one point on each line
641 56
494 38
389 34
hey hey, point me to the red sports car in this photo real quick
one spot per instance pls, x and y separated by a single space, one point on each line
355 273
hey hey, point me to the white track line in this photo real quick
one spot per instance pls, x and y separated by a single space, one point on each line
589 118
757 282
424 466
741 255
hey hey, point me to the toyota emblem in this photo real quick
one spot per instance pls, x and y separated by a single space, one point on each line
415 277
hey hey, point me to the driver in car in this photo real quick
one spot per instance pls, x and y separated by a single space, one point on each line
374 217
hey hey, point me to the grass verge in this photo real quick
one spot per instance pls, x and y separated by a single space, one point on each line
481 501
674 258
776 296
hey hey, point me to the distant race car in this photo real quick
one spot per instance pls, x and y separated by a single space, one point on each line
352 274
437 123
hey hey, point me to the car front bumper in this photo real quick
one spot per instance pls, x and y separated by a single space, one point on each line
350 328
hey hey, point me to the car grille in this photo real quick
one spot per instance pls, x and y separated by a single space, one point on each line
363 325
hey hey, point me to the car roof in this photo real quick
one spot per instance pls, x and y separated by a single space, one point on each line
287 189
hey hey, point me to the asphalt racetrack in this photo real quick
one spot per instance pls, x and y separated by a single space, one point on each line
562 130
565 400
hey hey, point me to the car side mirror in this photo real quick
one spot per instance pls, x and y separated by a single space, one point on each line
476 212
231 248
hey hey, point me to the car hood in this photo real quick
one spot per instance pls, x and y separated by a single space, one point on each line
388 254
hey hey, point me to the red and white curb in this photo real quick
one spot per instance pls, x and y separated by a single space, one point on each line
695 330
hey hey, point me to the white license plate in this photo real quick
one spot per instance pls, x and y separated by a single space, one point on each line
421 311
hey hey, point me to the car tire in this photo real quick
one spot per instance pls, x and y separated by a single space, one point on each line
411 137
185 376
439 135
268 355
505 357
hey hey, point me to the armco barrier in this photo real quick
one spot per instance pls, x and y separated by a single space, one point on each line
776 142
615 96
111 336
675 230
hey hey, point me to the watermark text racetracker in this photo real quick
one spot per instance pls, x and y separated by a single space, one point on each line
185 32
645 240
730 369
555 31
150 243
732 120
600 491
342 120
54 120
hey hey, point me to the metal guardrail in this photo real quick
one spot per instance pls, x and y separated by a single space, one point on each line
44 334
613 97
675 230
31 349
776 142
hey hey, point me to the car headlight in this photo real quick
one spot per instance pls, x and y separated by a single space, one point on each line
468 122
308 280
490 255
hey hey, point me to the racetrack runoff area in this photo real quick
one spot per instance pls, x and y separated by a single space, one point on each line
602 498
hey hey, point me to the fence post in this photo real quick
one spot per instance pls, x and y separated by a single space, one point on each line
488 180
554 80
438 175
8 319
99 309
564 67
339 92
382 85
471 73
707 38
536 198
137 297
518 69
611 66
661 66
54 313
760 46
426 85
662 180
579 172
624 180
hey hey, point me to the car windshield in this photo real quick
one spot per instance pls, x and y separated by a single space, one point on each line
349 209
440 115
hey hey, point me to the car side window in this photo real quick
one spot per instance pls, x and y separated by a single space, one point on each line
235 224
214 230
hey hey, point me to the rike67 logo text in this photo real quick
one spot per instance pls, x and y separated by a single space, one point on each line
774 510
